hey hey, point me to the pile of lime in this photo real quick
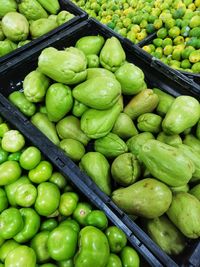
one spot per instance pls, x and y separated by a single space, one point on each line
178 40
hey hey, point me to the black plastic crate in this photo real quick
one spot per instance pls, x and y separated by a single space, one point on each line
66 167
193 76
13 76
65 5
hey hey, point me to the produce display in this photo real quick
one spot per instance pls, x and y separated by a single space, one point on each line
25 20
139 145
44 221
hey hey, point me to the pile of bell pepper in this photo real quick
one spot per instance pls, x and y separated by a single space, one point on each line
25 20
44 222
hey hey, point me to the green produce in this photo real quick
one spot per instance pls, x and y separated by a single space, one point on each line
114 261
182 188
41 173
157 158
193 142
62 242
112 55
131 79
97 93
98 219
3 155
90 45
81 212
14 156
30 158
10 171
58 179
6 248
99 72
31 225
2 35
42 122
98 123
32 9
92 61
69 127
11 189
172 140
58 101
73 148
22 103
48 224
48 198
51 6
39 245
15 26
116 238
68 67
3 129
68 203
129 257
182 114
71 223
97 167
147 198
124 127
145 101
3 200
42 26
166 235
182 205
78 108
7 6
35 86
195 191
93 248
149 122
6 46
11 223
125 169
198 130
136 142
165 101
63 17
25 195
12 141
21 43
110 145
21 256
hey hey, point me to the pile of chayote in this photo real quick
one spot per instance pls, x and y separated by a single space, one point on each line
25 20
44 222
140 146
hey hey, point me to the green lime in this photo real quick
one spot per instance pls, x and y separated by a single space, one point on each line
174 32
194 56
192 42
196 67
152 18
141 35
150 28
187 2
195 21
167 41
187 51
178 40
131 36
111 25
147 49
168 50
170 23
178 23
127 22
185 64
175 64
176 54
164 60
162 33
143 24
195 32
152 47
185 31
135 28
158 24
158 42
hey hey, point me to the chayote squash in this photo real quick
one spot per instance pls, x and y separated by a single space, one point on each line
6 46
42 26
7 6
15 26
32 9
90 45
64 16
99 72
68 67
52 6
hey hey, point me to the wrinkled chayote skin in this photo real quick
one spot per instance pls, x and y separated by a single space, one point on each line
149 122
166 235
110 145
42 26
99 72
166 163
184 212
112 55
64 16
7 6
125 169
165 101
6 46
32 9
15 26
97 167
148 198
131 79
98 93
195 191
193 142
172 140
68 66
90 45
182 114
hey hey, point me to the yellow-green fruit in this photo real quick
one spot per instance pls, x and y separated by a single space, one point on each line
184 212
147 198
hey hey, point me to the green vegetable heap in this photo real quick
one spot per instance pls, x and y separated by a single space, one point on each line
140 146
29 19
44 222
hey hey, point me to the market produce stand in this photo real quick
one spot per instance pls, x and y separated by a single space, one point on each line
22 64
